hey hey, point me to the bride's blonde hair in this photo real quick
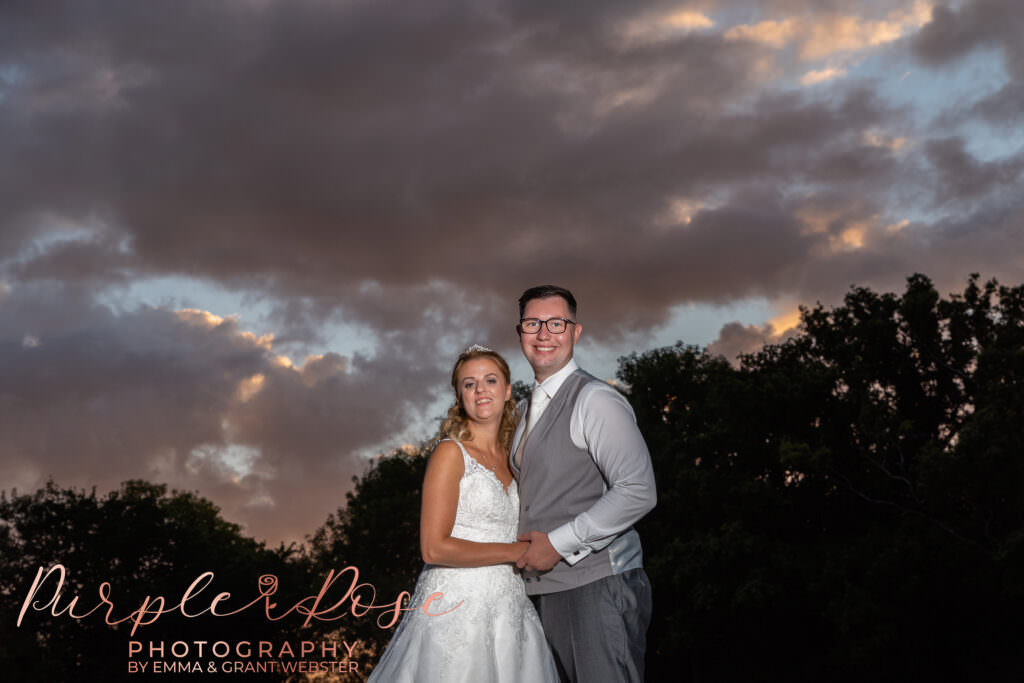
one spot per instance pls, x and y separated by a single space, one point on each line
455 425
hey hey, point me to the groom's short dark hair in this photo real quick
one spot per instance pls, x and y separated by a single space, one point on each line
544 292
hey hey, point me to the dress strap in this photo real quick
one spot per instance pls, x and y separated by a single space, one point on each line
467 459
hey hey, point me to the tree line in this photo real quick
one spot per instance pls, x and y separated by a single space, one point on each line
846 505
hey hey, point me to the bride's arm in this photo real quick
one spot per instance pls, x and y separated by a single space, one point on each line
437 517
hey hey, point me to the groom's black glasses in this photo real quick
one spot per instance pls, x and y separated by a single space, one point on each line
554 325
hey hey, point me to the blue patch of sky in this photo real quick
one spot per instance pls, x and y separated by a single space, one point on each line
931 93
254 313
699 324
937 100
991 143
236 458
56 231
12 74
692 324
176 292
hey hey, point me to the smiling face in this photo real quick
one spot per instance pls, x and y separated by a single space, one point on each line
548 353
482 389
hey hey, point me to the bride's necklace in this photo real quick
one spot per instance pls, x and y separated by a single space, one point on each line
488 460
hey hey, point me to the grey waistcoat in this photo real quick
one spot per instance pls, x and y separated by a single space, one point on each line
558 481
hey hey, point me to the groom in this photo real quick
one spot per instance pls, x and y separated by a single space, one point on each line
585 478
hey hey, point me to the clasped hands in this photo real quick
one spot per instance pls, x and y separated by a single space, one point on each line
540 555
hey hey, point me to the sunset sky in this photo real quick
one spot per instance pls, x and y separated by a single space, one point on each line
241 243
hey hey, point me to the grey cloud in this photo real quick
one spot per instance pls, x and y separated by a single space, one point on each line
408 169
313 154
961 176
1004 108
735 339
949 35
320 153
94 397
955 32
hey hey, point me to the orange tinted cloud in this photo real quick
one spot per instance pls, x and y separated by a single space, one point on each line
821 76
822 37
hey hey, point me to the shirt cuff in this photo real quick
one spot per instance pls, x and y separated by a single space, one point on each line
568 546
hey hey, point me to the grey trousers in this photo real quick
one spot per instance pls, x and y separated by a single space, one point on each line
598 632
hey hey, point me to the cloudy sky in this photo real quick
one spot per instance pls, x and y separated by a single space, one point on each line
242 242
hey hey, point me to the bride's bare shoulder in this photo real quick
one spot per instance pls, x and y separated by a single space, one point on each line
446 457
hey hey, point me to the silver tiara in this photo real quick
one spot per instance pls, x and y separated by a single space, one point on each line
475 348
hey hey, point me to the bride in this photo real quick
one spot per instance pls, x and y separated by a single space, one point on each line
485 629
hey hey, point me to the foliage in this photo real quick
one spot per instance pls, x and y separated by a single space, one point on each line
848 505
376 531
521 391
144 542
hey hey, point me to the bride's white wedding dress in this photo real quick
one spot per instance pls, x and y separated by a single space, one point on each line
492 633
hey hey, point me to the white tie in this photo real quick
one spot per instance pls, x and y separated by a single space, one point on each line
538 401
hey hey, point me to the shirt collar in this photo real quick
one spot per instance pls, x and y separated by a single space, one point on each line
551 385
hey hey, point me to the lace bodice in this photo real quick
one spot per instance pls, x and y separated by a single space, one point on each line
487 513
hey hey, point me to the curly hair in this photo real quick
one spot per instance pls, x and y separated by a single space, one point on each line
455 425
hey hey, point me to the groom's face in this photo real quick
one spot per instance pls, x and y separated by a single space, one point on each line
548 353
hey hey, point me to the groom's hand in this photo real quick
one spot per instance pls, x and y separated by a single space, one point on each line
540 556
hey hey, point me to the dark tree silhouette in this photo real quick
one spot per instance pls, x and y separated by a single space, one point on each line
376 531
520 390
145 542
848 505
